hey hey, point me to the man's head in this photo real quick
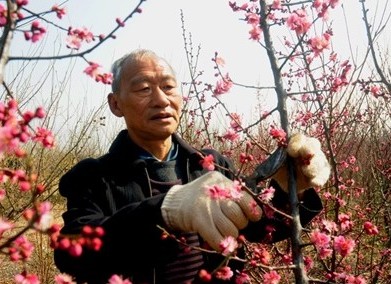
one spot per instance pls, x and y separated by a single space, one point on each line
146 93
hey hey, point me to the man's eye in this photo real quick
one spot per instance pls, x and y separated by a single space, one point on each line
144 90
168 87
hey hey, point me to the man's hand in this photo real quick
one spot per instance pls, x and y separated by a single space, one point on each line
311 165
195 207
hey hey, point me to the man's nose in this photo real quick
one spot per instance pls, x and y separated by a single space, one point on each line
159 97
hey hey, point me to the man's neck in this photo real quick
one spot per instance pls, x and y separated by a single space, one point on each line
157 148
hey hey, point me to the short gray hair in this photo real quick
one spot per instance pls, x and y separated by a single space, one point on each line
131 57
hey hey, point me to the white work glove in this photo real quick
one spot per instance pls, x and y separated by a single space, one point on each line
190 208
312 167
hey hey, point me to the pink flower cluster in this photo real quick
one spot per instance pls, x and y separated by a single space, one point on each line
207 162
298 21
15 15
251 17
93 70
218 192
15 131
90 238
223 86
36 32
77 36
279 135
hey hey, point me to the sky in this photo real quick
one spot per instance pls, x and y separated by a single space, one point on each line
213 26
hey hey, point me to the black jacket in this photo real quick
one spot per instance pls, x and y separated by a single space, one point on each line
113 191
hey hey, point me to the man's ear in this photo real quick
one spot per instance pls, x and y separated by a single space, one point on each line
112 100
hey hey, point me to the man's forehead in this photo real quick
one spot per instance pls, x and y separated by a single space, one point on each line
140 77
148 68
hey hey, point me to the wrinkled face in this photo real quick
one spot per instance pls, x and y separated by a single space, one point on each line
148 99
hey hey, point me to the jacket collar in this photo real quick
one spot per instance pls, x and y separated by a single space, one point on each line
125 150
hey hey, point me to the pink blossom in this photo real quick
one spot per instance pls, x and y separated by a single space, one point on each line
120 22
262 255
45 137
73 42
375 91
25 278
45 218
207 162
308 262
345 222
245 158
75 249
220 61
105 78
271 277
325 252
320 240
236 121
242 278
223 86
60 12
92 70
231 135
343 245
3 16
64 279
267 194
37 31
20 249
115 279
329 226
276 4
370 229
21 3
216 192
278 134
204 275
298 21
255 33
224 273
320 43
334 3
5 226
252 18
228 245
77 36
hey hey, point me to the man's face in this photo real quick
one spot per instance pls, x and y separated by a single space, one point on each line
148 99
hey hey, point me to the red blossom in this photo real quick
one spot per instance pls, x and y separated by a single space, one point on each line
223 86
224 273
370 229
228 245
271 277
60 12
205 276
278 134
344 246
298 21
207 162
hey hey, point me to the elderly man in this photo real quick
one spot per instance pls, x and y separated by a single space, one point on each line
152 178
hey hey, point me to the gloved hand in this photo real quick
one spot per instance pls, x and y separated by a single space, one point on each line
312 167
190 208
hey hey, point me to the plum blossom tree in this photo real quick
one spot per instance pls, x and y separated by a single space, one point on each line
328 97
18 221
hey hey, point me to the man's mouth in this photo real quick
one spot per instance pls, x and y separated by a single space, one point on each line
161 116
